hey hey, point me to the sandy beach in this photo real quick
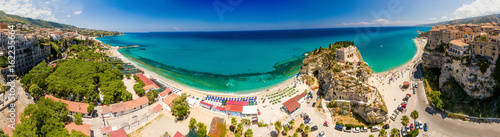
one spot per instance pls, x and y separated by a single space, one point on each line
378 78
190 90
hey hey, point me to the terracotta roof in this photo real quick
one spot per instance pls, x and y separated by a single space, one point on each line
165 92
435 30
122 106
458 42
234 108
85 128
220 108
206 104
168 100
292 104
242 103
7 130
178 134
106 109
145 80
105 129
118 133
151 86
72 106
157 108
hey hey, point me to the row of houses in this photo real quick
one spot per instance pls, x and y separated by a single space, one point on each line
132 124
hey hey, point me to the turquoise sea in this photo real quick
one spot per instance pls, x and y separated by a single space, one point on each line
241 62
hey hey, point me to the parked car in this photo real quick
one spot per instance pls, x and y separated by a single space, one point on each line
375 128
393 117
364 129
404 103
408 95
425 126
403 131
396 111
420 125
356 130
309 123
321 134
325 124
400 109
386 126
314 128
314 104
408 129
338 127
411 126
347 129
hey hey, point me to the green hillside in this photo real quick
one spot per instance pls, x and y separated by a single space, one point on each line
474 20
14 19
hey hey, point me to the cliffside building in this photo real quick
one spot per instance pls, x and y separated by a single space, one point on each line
346 54
458 48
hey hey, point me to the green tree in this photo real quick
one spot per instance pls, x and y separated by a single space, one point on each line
405 120
46 118
119 66
301 126
291 123
35 91
78 119
239 128
152 94
414 114
382 133
371 135
202 130
192 124
394 132
249 133
412 133
234 122
307 130
90 108
295 134
127 75
285 129
2 134
180 107
277 126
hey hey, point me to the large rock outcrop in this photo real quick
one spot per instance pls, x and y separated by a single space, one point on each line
344 82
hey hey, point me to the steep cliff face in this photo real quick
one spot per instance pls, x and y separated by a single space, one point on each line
475 83
345 82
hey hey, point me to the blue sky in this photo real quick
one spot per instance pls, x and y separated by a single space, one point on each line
222 15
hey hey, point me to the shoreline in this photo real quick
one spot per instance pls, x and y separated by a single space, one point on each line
201 93
192 90
409 62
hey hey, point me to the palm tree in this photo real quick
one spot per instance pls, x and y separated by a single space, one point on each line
382 133
394 132
277 126
405 120
414 114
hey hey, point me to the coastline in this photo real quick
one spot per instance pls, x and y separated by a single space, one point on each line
191 90
420 46
201 93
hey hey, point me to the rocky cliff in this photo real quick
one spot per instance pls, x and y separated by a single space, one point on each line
344 82
464 70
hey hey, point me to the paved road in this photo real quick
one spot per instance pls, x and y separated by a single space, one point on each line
439 125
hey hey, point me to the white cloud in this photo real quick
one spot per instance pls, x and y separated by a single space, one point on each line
444 17
28 8
78 12
377 21
177 29
68 16
47 2
478 8
434 18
